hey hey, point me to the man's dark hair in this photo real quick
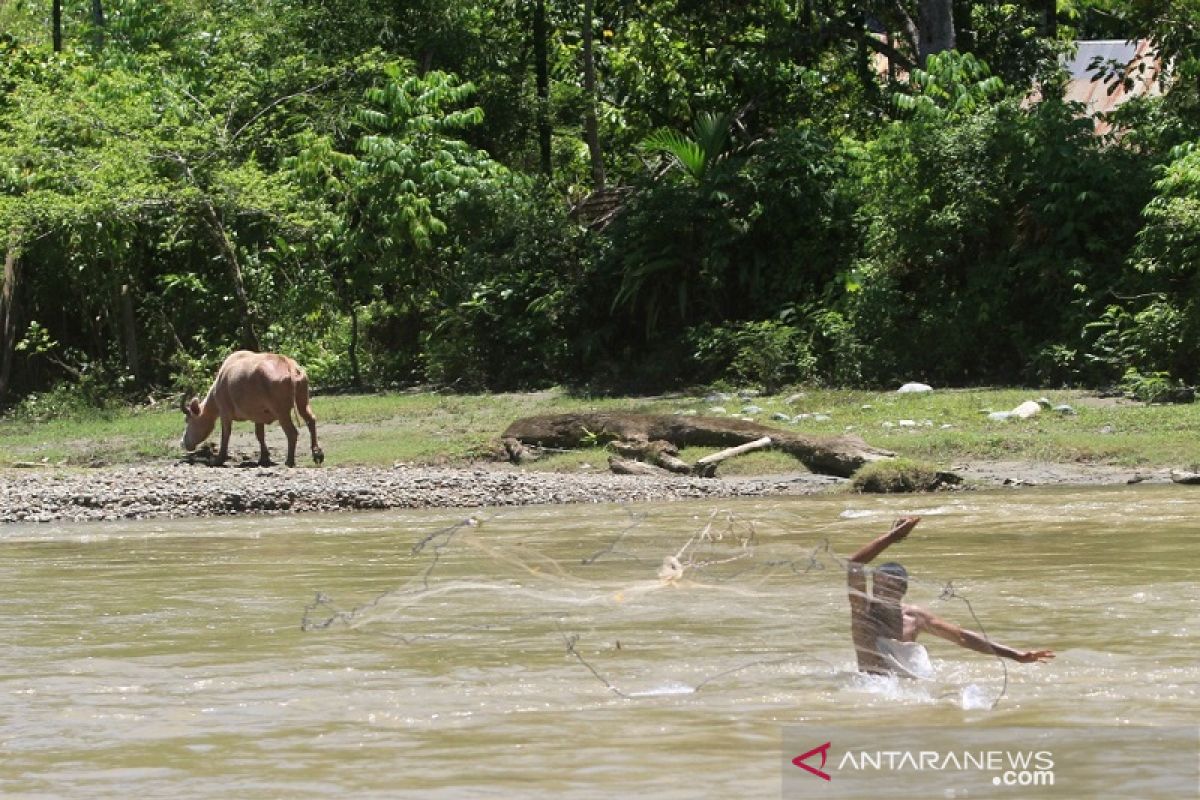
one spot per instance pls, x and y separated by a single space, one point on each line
895 570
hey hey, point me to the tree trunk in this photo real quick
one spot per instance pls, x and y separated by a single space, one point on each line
590 127
56 25
834 455
129 331
935 21
355 374
98 23
1050 19
541 67
221 238
8 317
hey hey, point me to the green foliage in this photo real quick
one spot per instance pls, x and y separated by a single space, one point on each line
501 323
1151 340
353 183
767 355
1154 387
951 84
991 235
697 155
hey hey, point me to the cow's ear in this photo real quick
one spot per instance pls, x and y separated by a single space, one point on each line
194 407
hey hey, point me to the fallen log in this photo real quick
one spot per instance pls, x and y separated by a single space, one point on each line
827 455
517 452
626 466
660 453
707 467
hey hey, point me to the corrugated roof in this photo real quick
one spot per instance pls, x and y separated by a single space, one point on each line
1117 50
1137 75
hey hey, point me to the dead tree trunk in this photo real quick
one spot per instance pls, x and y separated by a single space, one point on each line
8 317
56 25
129 330
832 455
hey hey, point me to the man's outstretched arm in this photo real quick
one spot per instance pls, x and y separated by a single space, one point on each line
972 640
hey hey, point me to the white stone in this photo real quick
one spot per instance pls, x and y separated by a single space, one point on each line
1029 408
914 388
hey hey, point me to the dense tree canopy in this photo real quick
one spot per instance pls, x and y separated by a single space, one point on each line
599 192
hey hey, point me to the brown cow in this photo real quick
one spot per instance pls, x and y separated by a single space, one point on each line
261 388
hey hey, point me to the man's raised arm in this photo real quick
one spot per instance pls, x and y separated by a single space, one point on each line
901 528
855 576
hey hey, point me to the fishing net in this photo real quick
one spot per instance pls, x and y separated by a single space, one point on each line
540 583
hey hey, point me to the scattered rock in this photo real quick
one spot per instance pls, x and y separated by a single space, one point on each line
1065 410
779 416
792 399
1188 478
999 416
751 410
718 397
1030 408
178 490
718 410
914 388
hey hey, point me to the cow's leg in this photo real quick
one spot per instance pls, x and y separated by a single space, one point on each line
289 429
310 419
264 455
226 430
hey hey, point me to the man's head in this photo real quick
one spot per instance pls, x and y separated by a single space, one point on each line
890 582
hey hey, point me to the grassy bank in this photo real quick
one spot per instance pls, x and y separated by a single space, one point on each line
940 427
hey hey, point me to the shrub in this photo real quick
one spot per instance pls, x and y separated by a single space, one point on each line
896 475
765 354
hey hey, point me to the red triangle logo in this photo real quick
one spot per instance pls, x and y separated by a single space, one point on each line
800 759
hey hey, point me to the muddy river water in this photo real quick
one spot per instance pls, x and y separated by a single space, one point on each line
536 652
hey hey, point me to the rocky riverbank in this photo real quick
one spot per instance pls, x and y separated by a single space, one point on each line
181 490
113 493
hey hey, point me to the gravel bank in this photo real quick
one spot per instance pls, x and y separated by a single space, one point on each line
169 490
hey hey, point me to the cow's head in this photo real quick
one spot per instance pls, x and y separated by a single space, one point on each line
198 427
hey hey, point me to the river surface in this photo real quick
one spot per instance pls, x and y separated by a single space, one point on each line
536 652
